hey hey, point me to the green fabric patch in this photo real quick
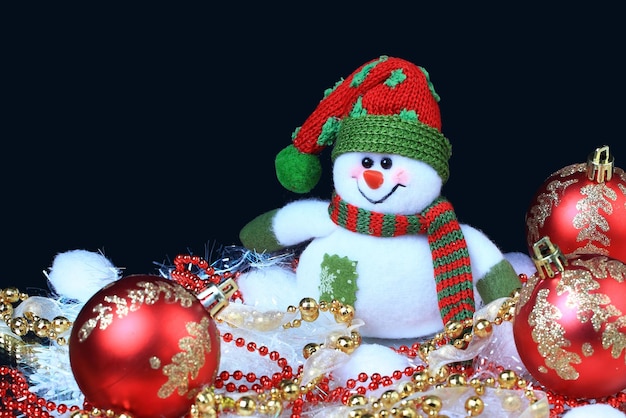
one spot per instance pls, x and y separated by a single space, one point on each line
357 109
329 131
409 115
431 87
328 91
361 75
338 279
396 77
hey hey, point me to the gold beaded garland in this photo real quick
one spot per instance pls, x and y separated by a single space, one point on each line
30 322
402 401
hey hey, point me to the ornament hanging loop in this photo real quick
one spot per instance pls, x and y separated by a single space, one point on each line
600 165
548 258
215 297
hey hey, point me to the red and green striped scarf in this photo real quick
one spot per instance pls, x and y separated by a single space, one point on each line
451 261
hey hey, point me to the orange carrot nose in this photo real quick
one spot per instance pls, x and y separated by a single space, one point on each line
373 178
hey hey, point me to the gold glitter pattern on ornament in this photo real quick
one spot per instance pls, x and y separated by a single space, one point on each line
189 361
602 267
587 349
527 290
550 338
104 317
612 337
155 362
606 268
150 292
590 306
589 220
147 293
546 201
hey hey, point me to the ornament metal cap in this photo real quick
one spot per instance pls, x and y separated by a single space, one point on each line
600 165
547 255
215 298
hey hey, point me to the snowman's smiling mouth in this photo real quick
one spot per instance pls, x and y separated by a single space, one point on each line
382 199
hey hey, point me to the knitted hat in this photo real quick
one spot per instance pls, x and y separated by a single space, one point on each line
388 105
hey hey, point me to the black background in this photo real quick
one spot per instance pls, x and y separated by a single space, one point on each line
150 132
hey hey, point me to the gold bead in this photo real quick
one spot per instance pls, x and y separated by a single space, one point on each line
359 413
425 349
407 412
460 343
344 314
441 375
421 380
79 414
356 337
324 306
345 344
225 402
309 349
483 328
309 309
431 405
456 380
60 324
289 390
6 310
125 416
406 389
292 309
389 398
41 327
273 407
474 406
296 323
357 400
479 390
10 294
205 401
245 406
507 379
453 329
19 326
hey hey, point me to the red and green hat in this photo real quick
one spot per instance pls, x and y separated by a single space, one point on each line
387 105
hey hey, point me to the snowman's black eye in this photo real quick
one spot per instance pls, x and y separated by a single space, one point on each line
367 162
386 163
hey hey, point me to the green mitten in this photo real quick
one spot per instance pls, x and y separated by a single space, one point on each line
499 282
258 234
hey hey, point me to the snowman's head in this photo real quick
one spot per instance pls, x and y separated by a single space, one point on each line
386 183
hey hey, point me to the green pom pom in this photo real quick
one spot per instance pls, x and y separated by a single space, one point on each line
296 171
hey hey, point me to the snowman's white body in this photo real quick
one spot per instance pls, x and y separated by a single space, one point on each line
396 296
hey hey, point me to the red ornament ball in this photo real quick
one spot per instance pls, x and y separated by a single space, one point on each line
144 345
570 329
582 208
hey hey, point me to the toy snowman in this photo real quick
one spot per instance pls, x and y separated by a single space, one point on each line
387 243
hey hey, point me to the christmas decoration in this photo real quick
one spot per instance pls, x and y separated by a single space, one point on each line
386 241
582 208
570 323
144 345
